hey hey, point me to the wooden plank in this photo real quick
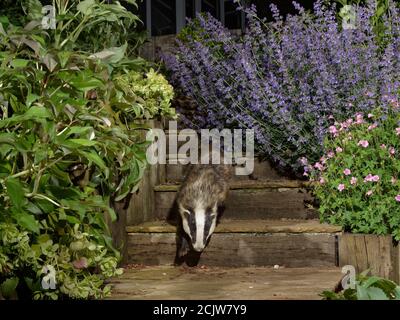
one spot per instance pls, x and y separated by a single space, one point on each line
142 203
365 251
168 282
272 203
262 171
239 249
248 184
246 226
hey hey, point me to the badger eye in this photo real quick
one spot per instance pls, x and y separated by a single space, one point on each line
187 211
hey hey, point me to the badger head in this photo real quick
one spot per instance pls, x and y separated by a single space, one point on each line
199 223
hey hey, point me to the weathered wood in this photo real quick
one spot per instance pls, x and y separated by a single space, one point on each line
141 206
240 249
365 251
246 226
264 203
262 171
247 184
166 282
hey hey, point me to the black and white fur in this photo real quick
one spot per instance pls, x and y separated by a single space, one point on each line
202 193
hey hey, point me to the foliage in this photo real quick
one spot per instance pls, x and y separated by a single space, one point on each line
285 78
86 25
65 155
367 288
377 19
144 96
359 176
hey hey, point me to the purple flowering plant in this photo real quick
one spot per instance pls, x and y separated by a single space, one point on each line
359 187
289 78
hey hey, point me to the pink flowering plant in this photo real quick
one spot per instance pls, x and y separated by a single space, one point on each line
357 180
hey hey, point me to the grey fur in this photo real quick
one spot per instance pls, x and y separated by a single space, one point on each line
203 190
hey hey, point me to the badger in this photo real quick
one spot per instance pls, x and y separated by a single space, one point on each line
199 200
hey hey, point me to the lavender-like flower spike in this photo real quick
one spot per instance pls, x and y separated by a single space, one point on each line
287 77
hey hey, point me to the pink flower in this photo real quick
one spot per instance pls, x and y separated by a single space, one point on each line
359 118
397 131
393 180
322 181
331 117
397 198
375 178
372 126
339 149
392 151
331 154
323 160
347 172
371 178
319 166
370 115
341 187
363 143
369 193
353 180
383 146
349 121
333 130
82 263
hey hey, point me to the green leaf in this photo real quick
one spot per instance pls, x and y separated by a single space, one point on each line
15 192
362 293
19 63
27 221
83 142
86 6
376 294
93 157
31 97
111 55
72 220
8 287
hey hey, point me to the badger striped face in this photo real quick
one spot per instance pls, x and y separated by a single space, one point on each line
199 224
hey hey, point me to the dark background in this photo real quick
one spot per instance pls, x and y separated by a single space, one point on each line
163 12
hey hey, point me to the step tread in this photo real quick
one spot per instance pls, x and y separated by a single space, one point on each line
246 184
205 283
246 226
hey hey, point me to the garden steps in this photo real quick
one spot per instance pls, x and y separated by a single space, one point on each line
240 243
263 170
249 199
215 283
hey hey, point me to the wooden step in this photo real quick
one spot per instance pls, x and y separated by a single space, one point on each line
246 226
238 244
262 171
212 283
250 200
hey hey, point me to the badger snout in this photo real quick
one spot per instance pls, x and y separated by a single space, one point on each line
199 224
198 247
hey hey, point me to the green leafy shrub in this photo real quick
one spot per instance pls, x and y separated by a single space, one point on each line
359 175
88 25
65 155
367 288
143 96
